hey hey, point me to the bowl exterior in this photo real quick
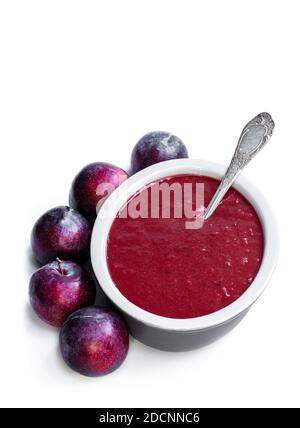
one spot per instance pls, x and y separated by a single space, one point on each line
179 341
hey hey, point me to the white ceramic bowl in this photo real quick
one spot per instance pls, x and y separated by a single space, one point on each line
181 334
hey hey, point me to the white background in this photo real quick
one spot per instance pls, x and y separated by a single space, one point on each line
82 81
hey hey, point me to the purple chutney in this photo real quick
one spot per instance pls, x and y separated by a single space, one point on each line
168 270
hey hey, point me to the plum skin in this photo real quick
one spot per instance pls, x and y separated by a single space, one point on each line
84 194
61 232
156 147
94 341
60 288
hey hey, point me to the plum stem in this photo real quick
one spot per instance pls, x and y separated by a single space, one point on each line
59 266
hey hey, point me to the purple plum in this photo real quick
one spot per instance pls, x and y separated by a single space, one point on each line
61 232
94 341
92 185
60 288
156 147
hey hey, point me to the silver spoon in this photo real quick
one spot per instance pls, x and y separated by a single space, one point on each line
253 138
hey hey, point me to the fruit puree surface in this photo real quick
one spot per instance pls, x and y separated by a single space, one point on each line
171 271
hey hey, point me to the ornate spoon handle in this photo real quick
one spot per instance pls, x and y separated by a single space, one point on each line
253 138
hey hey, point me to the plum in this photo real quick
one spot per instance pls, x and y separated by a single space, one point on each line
92 184
156 147
60 288
94 341
61 232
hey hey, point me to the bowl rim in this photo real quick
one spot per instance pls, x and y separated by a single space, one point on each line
128 188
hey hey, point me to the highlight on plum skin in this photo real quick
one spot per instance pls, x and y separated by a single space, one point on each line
94 341
60 288
61 232
156 147
92 185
